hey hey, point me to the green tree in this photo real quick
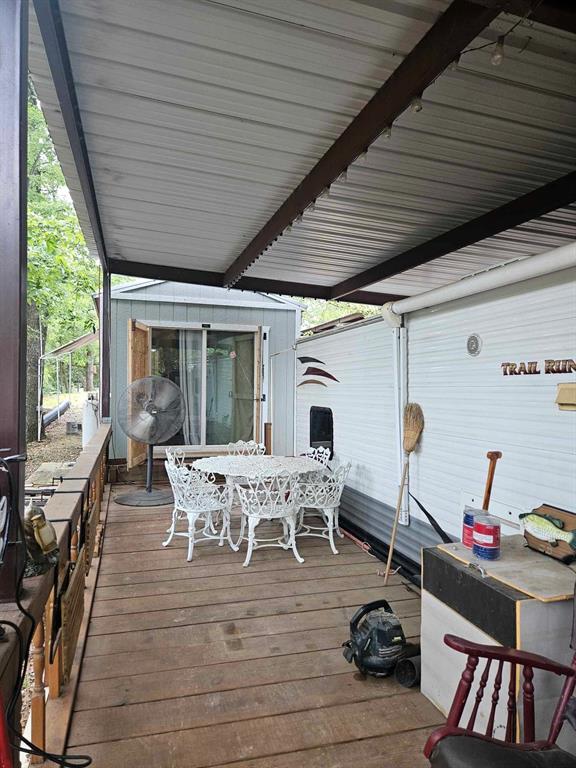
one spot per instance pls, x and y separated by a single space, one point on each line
62 277
318 311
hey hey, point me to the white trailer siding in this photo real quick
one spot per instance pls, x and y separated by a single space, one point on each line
470 407
362 403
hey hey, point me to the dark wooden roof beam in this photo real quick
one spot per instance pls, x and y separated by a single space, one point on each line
550 197
458 26
199 277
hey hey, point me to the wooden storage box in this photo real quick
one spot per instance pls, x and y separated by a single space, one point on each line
460 601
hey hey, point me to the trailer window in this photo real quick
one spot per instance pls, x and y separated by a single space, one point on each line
322 428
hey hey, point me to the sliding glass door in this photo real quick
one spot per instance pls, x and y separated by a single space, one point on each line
215 369
229 387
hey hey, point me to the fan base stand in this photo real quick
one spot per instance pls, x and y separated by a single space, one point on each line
144 498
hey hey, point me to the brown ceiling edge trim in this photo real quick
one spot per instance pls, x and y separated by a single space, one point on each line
550 197
452 32
201 277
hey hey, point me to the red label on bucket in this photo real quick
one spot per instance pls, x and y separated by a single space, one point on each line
486 538
467 528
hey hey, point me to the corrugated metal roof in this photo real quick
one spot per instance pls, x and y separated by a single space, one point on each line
201 117
72 346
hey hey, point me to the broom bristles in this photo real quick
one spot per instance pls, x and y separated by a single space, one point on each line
413 426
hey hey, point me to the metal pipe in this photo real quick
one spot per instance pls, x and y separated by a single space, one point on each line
495 277
149 468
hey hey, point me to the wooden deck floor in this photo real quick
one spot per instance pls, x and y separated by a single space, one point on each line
190 665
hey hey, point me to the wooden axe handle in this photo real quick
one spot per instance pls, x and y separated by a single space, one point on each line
492 457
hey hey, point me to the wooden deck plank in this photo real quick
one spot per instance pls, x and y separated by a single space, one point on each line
155 686
396 750
194 665
205 644
265 559
313 591
239 740
234 705
159 635
247 579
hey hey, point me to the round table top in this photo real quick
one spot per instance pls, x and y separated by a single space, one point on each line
252 466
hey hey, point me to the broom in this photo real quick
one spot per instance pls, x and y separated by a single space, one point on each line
413 426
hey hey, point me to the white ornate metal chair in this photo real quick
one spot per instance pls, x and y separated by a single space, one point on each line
319 454
246 448
176 456
274 499
197 497
322 495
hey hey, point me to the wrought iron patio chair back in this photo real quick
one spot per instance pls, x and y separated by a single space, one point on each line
176 456
246 448
193 489
319 454
269 497
324 492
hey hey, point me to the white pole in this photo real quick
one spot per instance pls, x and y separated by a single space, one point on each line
70 374
39 398
58 383
495 277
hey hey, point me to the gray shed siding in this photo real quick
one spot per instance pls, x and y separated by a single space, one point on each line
152 305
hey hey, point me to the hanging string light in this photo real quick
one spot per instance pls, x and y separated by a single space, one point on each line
498 52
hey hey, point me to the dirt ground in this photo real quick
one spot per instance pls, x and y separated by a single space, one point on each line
57 445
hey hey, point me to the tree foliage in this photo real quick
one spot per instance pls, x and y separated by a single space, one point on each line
62 277
318 311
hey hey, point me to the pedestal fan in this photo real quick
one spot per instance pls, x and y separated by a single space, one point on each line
150 411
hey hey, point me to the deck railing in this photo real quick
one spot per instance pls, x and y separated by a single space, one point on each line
60 602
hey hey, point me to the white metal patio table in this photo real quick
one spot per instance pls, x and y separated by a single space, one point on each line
234 468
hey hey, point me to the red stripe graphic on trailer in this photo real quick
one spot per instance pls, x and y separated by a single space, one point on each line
319 372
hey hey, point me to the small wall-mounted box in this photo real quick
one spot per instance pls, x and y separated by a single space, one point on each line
566 396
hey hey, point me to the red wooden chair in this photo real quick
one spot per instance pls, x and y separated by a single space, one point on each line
460 746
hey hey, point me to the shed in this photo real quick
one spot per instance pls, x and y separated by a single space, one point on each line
230 351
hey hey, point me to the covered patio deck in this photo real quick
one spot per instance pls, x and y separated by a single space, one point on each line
211 664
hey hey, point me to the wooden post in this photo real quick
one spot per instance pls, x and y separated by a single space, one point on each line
38 703
528 702
461 695
268 438
13 257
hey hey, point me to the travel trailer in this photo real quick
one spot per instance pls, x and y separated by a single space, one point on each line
489 369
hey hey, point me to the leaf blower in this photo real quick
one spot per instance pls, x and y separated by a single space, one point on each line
377 641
